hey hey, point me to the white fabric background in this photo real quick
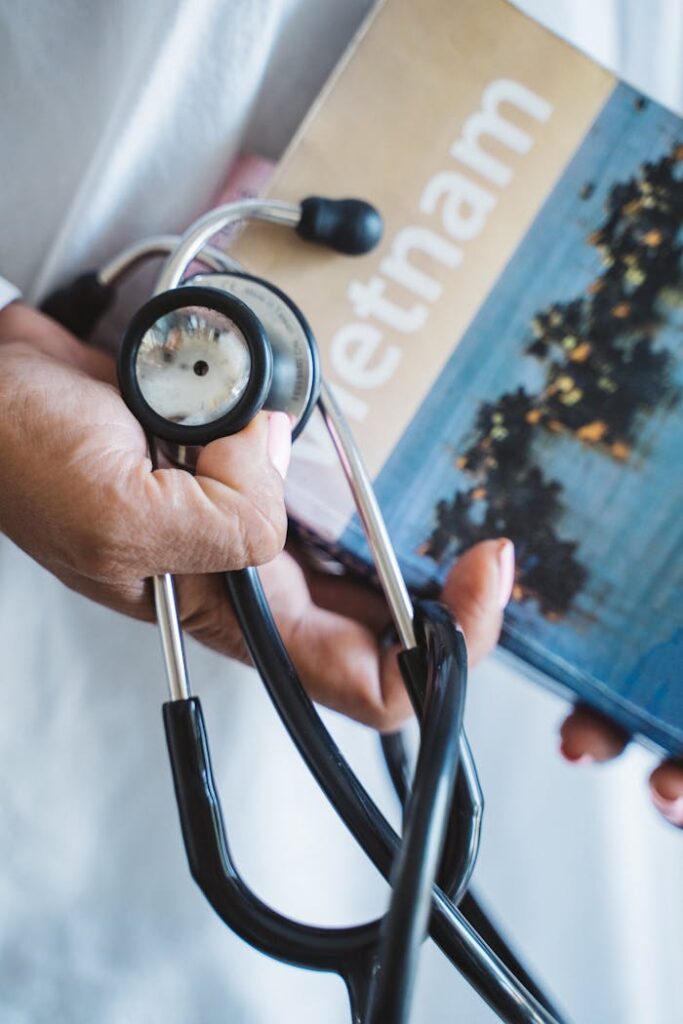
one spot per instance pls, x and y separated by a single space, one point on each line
118 120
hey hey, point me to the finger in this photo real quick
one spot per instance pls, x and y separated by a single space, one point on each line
47 336
585 736
229 515
342 667
348 596
666 787
205 612
477 590
337 658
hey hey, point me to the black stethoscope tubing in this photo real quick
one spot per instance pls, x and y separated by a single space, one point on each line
439 696
447 925
365 956
350 952
453 871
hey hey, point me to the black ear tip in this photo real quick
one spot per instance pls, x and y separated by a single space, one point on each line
351 226
366 224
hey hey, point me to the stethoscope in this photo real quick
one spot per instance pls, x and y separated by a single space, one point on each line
198 361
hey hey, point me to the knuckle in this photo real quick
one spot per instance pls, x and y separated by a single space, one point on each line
205 614
480 625
210 630
99 560
389 717
262 529
369 705
475 610
100 552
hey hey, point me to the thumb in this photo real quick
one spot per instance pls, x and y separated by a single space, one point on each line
230 514
477 590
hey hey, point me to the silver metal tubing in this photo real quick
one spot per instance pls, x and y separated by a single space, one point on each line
390 576
159 245
182 252
394 587
164 591
193 241
171 637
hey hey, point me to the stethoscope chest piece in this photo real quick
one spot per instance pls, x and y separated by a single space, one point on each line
200 361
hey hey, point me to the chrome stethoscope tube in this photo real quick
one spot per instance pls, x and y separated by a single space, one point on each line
118 268
187 248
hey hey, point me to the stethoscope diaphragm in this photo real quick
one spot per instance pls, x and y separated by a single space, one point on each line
195 365
200 361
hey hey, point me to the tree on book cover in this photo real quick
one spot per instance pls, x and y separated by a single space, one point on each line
558 421
603 374
510 358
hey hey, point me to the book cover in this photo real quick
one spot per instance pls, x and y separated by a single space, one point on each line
511 357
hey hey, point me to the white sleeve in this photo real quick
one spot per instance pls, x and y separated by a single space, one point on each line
8 293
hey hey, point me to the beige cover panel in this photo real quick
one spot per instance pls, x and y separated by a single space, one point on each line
455 118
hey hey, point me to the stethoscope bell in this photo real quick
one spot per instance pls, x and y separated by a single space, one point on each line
200 361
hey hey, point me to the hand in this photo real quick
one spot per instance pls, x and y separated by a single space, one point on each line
79 494
587 737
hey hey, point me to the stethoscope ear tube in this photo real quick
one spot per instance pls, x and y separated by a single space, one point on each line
454 874
463 827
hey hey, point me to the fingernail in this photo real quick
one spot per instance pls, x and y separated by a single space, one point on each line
670 807
280 441
574 757
506 571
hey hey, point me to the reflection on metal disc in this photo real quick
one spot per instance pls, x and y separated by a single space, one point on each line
193 366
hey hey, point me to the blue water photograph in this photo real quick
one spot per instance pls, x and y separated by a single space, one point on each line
558 422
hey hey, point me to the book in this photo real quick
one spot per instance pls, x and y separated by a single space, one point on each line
510 358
